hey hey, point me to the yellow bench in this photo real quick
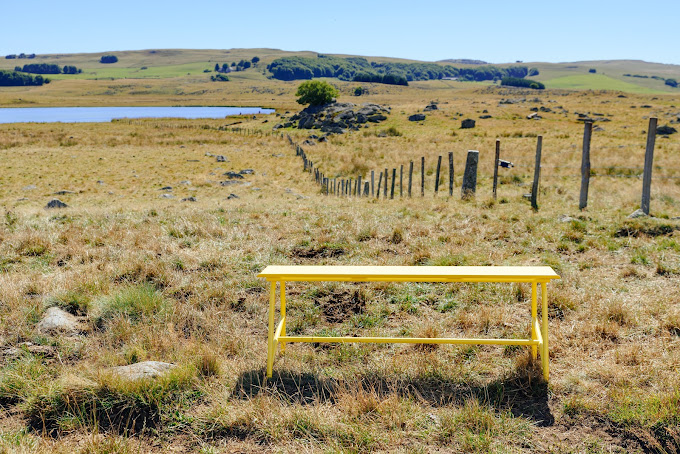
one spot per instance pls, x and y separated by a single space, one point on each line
521 274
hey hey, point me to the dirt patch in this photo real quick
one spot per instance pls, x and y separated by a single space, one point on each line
323 250
339 305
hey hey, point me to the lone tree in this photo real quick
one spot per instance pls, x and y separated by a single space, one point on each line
315 93
108 59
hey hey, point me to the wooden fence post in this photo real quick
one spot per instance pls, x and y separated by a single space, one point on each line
496 163
401 180
377 194
394 178
422 176
585 165
470 176
372 183
537 174
649 158
359 186
436 181
366 189
450 173
385 194
410 178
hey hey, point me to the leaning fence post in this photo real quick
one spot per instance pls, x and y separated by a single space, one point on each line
649 158
496 163
394 177
436 181
537 174
585 165
377 194
470 176
422 176
372 183
410 178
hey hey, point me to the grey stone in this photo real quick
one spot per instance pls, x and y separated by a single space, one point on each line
56 320
166 188
186 182
30 347
63 192
167 196
431 106
637 214
189 199
233 175
417 117
377 118
30 187
145 369
468 123
220 158
247 172
232 196
55 203
229 182
564 218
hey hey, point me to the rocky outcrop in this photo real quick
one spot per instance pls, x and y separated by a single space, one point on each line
55 203
417 117
337 118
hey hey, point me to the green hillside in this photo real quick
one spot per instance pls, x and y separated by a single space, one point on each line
180 63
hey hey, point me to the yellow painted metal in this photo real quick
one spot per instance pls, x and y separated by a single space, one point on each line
545 356
519 274
539 337
409 340
534 319
283 315
270 343
409 273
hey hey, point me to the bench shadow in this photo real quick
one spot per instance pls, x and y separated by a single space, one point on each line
522 391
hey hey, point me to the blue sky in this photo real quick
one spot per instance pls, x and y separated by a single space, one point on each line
494 31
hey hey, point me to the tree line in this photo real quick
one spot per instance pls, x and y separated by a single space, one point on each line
46 68
15 79
361 70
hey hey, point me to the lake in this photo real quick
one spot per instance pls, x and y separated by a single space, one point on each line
106 114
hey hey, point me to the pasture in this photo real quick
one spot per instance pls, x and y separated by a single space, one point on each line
153 277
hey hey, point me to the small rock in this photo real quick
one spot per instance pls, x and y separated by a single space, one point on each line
30 187
533 116
145 369
468 123
166 188
232 196
186 182
565 218
637 214
63 192
233 175
377 118
221 158
56 320
100 182
229 182
309 142
55 203
431 106
189 199
30 347
167 196
484 117
666 130
247 172
417 117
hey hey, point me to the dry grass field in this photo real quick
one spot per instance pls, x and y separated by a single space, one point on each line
154 277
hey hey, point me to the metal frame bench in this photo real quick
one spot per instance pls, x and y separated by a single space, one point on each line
533 275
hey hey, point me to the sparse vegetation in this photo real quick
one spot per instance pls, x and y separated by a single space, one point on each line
155 278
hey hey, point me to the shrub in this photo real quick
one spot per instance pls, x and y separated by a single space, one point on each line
671 83
315 93
134 302
592 70
525 83
108 59
219 78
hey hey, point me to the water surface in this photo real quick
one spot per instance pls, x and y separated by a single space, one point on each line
106 114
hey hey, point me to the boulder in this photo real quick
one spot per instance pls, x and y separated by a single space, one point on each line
145 369
56 321
417 117
666 130
376 118
55 203
637 214
468 123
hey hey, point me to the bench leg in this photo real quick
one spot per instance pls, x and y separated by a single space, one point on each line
270 341
544 313
283 315
534 317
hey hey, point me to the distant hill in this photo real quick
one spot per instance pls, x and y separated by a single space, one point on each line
625 75
462 61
